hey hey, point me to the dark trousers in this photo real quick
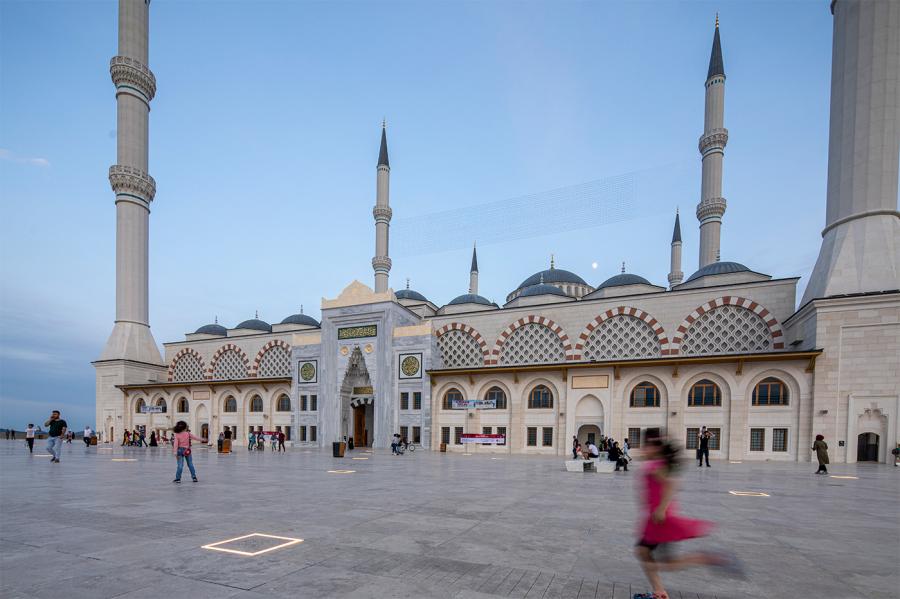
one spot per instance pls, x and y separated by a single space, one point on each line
700 454
281 446
622 462
30 445
822 468
87 441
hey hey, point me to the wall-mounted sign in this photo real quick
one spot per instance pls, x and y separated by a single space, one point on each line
152 410
410 366
488 439
200 395
596 381
367 330
308 371
474 404
363 390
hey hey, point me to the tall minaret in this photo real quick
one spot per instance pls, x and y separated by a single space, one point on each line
712 150
675 274
861 241
381 263
473 273
134 188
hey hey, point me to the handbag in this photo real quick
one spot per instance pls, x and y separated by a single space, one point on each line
184 452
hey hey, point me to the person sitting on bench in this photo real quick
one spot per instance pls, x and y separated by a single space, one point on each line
592 450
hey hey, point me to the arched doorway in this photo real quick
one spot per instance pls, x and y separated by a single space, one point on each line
358 402
867 447
363 417
589 420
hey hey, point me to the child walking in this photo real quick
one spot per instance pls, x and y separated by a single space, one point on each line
181 446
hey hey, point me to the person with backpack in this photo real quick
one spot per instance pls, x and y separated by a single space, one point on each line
181 446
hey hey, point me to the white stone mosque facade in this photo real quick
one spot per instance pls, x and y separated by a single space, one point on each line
726 347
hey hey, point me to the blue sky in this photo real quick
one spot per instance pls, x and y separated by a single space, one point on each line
264 138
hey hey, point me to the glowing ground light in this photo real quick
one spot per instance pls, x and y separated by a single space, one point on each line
216 546
341 471
123 460
845 477
735 462
359 458
42 455
496 458
749 494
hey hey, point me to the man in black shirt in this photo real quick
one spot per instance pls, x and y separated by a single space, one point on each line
703 450
57 431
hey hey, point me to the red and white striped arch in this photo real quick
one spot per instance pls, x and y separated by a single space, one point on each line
186 351
729 300
222 350
664 346
471 331
494 358
264 349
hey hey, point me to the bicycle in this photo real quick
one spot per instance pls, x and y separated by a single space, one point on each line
411 447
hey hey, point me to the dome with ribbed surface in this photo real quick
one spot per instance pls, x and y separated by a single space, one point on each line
409 294
719 268
212 329
624 279
256 325
552 275
301 319
542 289
471 298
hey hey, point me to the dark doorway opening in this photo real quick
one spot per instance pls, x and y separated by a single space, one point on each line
867 447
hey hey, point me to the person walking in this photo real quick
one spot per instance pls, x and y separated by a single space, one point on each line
153 442
703 449
57 431
575 445
181 447
142 439
281 437
252 441
29 437
86 436
821 449
12 434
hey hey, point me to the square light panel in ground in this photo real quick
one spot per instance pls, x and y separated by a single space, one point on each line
253 544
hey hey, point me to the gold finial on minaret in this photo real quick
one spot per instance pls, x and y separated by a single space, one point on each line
256 315
623 267
717 19
551 261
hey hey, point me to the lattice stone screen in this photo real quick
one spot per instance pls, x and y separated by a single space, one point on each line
275 362
229 366
727 330
459 350
621 337
533 343
187 368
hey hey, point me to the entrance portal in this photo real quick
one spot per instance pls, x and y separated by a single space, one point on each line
363 417
867 447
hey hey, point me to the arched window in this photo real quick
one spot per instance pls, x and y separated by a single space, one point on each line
498 395
138 405
645 395
183 406
770 392
450 396
540 398
705 393
161 403
256 404
284 404
230 404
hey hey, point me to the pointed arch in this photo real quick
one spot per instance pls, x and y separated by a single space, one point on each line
280 364
568 350
619 312
223 351
458 348
187 363
772 324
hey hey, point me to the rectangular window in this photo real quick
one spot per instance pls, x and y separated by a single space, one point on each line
302 433
547 441
457 435
779 439
757 439
287 433
501 430
302 403
404 401
715 440
313 402
417 400
532 436
485 430
634 438
691 441
312 434
404 432
445 435
417 435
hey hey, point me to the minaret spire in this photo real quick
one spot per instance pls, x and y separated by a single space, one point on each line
473 272
712 151
381 262
675 274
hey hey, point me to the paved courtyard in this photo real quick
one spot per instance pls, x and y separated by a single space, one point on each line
422 525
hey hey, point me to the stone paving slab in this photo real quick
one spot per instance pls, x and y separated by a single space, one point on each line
424 525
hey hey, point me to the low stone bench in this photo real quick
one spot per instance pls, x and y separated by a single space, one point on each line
591 465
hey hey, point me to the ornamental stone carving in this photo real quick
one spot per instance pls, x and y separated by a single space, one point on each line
714 140
133 181
130 72
381 263
711 208
382 214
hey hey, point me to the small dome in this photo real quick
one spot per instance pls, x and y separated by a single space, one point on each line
552 275
542 289
255 324
212 329
409 294
471 298
624 279
301 319
718 268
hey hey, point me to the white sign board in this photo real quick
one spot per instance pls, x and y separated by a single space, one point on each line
151 410
474 404
487 439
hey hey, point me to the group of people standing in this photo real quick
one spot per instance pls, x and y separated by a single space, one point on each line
257 440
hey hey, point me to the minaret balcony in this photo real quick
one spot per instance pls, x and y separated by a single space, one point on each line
711 209
130 74
381 263
133 182
714 140
382 214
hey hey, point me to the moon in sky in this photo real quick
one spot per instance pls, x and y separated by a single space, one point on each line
594 265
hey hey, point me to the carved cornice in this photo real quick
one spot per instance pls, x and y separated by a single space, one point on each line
129 72
714 140
381 263
382 214
132 181
711 208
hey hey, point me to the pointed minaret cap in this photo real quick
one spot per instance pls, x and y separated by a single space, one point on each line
383 153
676 233
716 66
474 260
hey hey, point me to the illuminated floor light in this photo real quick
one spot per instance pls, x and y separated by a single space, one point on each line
217 546
735 462
124 460
341 471
749 494
496 458
845 477
42 455
359 458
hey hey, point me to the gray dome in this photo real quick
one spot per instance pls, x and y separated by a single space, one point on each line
552 275
212 329
624 279
718 268
471 298
301 319
409 294
542 289
255 324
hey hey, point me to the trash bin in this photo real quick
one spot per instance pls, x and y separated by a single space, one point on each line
443 448
350 443
226 445
338 448
93 439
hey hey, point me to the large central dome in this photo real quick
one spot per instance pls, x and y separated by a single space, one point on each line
566 281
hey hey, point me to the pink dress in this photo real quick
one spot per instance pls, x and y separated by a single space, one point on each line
674 527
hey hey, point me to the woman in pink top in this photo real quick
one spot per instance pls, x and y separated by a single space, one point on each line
181 445
662 524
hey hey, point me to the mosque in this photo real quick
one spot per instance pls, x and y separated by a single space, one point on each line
726 347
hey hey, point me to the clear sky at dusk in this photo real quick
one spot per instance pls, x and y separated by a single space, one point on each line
264 138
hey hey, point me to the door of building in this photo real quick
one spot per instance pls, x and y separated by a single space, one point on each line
867 447
359 426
